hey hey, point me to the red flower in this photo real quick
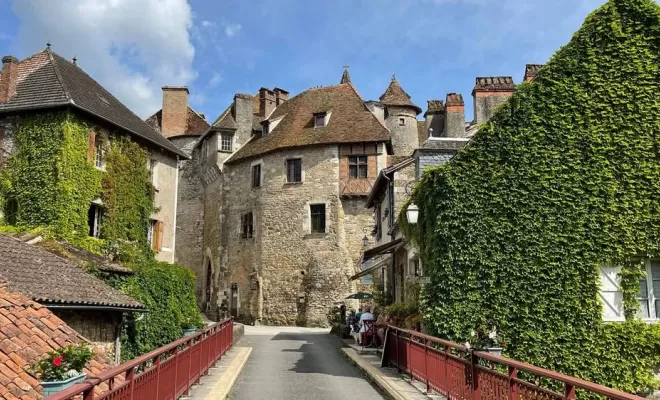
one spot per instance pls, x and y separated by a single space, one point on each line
57 361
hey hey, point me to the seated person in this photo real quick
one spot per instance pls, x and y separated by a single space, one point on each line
381 325
366 316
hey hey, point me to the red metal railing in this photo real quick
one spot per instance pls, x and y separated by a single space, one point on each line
163 374
450 369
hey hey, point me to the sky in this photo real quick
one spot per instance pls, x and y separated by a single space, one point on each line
222 47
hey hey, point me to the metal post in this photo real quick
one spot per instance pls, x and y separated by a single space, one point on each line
569 392
513 384
474 362
130 375
157 363
426 369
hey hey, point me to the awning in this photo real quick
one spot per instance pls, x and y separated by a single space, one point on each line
389 247
371 268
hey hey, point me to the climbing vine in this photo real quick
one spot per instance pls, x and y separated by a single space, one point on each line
564 178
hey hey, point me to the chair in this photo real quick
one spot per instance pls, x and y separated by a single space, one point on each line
369 332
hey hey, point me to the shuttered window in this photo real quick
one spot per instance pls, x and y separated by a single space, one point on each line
649 292
155 235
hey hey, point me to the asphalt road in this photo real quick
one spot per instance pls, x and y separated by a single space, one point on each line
298 364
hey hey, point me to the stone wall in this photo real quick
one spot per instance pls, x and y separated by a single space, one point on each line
99 327
190 217
405 138
486 103
426 160
166 182
285 274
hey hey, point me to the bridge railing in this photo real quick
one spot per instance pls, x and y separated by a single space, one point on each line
165 373
454 371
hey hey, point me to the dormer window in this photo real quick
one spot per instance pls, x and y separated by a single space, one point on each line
264 128
319 120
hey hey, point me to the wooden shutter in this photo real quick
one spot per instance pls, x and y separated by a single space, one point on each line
159 229
610 293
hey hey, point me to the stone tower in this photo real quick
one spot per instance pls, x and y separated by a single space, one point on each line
401 119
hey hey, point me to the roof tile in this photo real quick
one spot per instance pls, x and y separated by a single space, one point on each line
395 96
47 80
494 84
73 286
350 122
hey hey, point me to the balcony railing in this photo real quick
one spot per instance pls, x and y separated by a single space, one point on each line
452 370
355 186
165 373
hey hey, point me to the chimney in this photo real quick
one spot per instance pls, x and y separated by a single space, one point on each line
243 115
435 117
267 102
281 96
530 71
488 94
8 78
454 116
175 110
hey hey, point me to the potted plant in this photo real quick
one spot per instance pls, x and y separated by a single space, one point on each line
485 337
62 368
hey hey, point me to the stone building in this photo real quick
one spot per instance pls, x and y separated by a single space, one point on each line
47 84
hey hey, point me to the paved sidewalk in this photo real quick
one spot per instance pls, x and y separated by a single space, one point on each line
221 379
395 385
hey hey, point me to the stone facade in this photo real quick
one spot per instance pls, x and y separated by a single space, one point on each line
100 328
402 124
425 160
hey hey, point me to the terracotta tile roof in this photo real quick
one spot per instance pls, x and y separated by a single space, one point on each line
494 84
46 80
30 270
28 331
195 122
226 120
350 122
396 96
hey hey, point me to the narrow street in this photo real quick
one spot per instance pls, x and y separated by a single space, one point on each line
298 364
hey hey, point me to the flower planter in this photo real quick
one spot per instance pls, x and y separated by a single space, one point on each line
495 350
189 331
52 387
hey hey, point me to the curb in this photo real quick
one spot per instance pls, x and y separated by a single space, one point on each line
224 386
372 374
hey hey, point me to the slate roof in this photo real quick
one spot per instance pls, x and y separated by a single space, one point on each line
31 270
494 84
443 144
350 122
46 80
29 331
195 123
396 96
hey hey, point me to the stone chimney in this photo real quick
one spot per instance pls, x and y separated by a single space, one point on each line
488 94
267 102
281 96
435 117
454 116
243 114
530 71
175 110
8 78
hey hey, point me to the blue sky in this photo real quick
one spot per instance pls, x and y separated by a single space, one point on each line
218 48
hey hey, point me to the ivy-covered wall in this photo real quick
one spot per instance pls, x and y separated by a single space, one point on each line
564 178
50 180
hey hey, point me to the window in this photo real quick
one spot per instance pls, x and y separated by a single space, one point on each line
402 121
225 142
256 176
317 213
294 170
379 218
155 235
264 128
152 171
246 225
99 161
319 120
94 215
649 296
357 166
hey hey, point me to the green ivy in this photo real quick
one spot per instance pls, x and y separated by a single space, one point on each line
51 183
564 178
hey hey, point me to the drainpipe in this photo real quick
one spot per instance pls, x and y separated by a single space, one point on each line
117 341
176 203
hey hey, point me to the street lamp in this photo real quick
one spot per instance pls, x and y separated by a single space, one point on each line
365 241
412 213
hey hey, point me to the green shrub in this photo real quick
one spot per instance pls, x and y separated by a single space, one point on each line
564 178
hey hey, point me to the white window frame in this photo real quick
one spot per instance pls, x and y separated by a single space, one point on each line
150 231
222 143
652 297
99 157
96 229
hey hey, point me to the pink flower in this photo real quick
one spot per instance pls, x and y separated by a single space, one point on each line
57 361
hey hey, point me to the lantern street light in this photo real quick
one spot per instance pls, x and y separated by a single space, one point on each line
365 241
412 212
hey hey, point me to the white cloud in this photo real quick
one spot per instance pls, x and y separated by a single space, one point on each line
232 29
207 24
132 47
216 79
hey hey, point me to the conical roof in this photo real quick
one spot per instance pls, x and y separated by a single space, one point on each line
396 96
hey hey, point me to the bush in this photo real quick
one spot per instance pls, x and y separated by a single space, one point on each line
63 363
